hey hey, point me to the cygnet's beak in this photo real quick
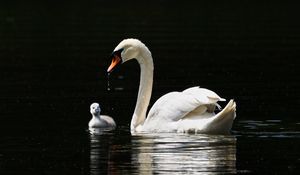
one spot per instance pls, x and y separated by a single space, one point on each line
97 111
116 60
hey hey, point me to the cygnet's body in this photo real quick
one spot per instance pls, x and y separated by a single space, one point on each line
100 121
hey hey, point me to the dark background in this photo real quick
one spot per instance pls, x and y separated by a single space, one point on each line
54 56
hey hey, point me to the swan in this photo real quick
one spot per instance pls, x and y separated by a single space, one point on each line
191 110
100 121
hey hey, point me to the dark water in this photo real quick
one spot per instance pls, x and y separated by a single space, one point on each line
53 58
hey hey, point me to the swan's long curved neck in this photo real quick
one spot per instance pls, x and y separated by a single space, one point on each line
145 89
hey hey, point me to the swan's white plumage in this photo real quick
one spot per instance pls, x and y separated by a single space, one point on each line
191 110
171 107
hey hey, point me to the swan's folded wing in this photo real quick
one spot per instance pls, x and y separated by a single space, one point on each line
199 93
175 105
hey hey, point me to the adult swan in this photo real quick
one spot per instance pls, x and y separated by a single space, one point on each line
189 111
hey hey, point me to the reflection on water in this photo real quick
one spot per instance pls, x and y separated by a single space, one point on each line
118 152
100 150
185 154
164 154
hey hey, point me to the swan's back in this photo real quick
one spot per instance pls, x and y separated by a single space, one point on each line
176 105
191 109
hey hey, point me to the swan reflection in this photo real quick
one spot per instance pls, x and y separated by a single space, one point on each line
185 154
163 153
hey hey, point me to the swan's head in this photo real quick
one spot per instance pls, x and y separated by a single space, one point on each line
126 50
95 109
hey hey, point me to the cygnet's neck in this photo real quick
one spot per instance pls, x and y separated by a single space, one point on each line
96 116
145 88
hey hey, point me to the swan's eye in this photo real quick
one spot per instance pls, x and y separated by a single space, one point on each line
118 52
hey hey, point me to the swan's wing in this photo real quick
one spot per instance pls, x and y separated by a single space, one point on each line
175 105
202 92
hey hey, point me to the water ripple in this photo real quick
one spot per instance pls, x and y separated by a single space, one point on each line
267 128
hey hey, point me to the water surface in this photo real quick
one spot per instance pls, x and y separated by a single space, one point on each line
254 147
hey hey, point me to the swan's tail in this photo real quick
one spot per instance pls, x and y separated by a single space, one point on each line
222 122
230 108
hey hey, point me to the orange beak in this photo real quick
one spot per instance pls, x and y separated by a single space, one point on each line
114 62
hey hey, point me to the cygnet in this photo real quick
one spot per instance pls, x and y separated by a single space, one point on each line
100 121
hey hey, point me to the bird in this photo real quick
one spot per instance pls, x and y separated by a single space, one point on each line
191 110
100 121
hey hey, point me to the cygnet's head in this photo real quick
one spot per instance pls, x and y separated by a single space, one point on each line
95 109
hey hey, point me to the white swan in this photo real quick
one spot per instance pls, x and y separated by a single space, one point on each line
100 121
189 111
